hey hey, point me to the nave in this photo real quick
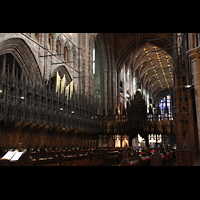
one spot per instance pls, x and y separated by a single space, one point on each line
82 99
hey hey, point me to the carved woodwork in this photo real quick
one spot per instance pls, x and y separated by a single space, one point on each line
184 110
156 159
30 112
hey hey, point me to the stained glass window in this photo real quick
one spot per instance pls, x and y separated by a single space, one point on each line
165 109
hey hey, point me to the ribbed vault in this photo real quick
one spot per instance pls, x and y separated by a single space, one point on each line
150 56
154 68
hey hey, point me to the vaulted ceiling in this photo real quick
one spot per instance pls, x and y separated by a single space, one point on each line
149 55
154 68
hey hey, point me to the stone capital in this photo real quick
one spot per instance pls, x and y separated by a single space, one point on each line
194 54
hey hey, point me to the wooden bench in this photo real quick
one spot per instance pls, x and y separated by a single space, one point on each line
46 156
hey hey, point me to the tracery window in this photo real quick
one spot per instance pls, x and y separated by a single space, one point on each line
66 54
165 108
58 48
50 42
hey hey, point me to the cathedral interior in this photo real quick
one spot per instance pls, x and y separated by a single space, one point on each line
99 99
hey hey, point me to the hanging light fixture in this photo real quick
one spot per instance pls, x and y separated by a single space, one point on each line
73 110
22 95
1 88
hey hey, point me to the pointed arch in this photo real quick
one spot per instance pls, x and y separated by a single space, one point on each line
61 70
105 76
23 54
50 42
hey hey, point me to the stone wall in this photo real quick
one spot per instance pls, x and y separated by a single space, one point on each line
76 48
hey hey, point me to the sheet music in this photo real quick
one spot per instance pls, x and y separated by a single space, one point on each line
8 155
16 156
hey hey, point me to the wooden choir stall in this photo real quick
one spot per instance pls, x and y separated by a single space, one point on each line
46 156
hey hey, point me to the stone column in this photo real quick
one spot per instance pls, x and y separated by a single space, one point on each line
61 50
53 45
191 40
45 39
195 40
134 84
124 85
130 83
198 35
118 90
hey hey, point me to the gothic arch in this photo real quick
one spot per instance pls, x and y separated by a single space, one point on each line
61 38
68 45
58 47
61 70
105 71
50 42
22 53
160 95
